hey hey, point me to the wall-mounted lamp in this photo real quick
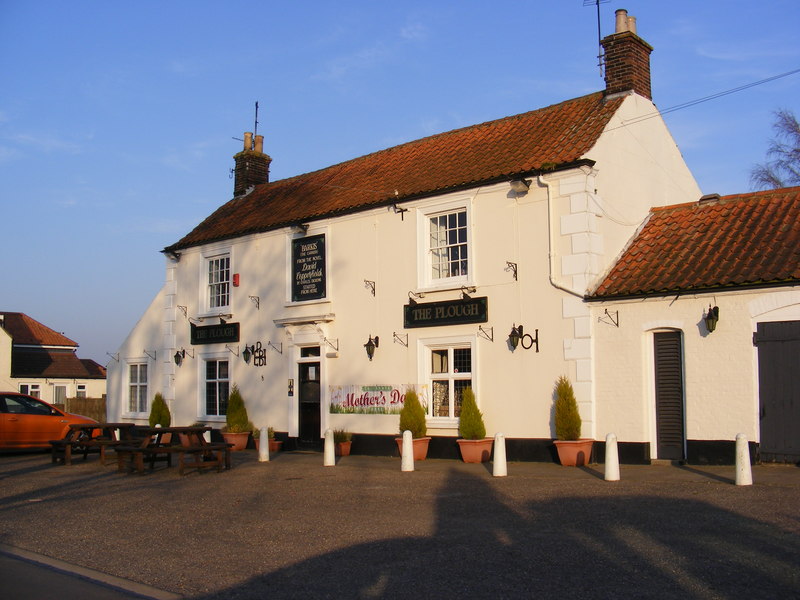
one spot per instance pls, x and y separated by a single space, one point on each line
518 336
711 318
247 354
370 346
257 353
300 227
520 186
180 355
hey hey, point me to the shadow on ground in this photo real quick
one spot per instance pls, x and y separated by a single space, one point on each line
587 547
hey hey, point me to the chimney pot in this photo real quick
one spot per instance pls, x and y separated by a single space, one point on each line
251 165
259 147
622 20
248 140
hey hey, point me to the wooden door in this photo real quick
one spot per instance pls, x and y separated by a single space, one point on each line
778 346
670 430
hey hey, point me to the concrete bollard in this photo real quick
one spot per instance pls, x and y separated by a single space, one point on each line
263 445
499 466
407 460
612 458
330 455
744 475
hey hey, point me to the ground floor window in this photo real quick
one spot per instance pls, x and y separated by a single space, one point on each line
32 389
137 388
450 371
217 387
80 391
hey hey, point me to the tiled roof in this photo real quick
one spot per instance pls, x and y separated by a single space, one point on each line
744 240
29 332
543 139
54 364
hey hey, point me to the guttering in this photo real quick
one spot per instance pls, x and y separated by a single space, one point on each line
552 242
742 287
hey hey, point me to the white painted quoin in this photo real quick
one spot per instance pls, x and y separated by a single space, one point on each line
534 250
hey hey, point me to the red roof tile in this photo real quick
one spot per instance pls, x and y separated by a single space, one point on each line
543 139
743 240
26 331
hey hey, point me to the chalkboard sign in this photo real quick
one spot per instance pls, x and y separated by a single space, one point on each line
308 268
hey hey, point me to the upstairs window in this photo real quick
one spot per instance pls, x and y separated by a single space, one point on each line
448 245
219 282
445 259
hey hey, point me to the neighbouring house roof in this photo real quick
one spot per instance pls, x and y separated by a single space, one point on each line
38 351
542 140
56 364
729 242
25 331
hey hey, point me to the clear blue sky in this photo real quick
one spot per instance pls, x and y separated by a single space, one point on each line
117 118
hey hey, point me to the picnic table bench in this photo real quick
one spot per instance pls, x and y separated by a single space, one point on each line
193 451
83 438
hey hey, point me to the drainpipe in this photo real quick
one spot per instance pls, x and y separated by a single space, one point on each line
552 241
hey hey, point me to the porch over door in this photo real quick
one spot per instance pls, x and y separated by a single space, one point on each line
670 438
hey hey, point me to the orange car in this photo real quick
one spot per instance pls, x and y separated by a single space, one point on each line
27 422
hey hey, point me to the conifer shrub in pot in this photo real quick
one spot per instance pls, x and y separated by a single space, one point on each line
413 419
572 449
474 445
342 441
160 415
237 424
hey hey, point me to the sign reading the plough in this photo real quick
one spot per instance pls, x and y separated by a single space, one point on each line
447 312
373 399
308 268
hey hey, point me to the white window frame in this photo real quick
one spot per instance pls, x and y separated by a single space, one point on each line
211 254
31 389
426 278
203 365
80 390
426 374
141 362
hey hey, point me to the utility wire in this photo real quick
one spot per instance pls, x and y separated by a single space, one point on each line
705 99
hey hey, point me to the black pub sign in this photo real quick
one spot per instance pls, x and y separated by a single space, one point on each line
308 268
215 334
448 312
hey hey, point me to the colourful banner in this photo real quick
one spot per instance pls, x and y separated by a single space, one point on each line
373 399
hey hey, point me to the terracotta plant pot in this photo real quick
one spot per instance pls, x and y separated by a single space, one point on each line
574 453
420 446
239 440
342 448
275 445
475 451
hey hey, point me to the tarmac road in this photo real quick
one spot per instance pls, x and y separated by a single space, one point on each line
292 528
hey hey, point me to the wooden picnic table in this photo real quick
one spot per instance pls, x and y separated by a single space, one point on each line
82 438
160 443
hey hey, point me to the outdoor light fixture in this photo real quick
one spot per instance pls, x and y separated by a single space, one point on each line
514 336
520 186
711 318
247 354
180 355
370 346
517 337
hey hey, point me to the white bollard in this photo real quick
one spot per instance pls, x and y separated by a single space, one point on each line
744 475
407 460
499 466
330 455
612 458
263 445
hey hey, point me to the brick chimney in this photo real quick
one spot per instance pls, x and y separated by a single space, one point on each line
627 58
251 165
